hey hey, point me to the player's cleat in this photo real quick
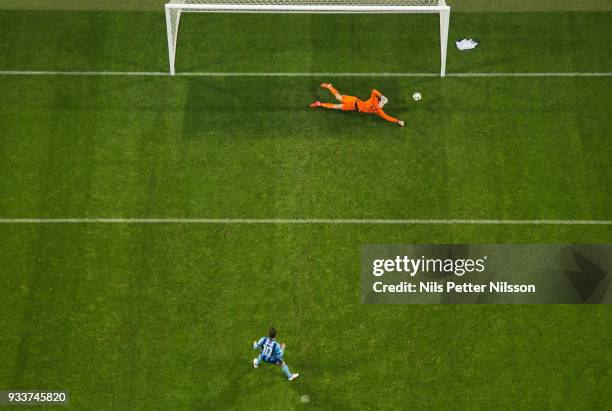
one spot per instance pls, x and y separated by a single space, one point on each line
315 104
293 377
326 85
255 365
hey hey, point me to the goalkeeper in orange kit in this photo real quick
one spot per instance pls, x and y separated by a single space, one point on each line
351 103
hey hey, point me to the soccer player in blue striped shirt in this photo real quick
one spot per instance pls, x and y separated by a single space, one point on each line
272 353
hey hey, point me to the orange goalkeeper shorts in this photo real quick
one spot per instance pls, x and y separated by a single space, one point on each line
349 103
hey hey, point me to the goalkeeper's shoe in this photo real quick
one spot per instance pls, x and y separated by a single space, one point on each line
326 85
315 104
293 377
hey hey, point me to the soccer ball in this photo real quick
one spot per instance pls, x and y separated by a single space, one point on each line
416 96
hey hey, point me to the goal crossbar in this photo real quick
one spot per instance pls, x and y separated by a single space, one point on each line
306 8
175 7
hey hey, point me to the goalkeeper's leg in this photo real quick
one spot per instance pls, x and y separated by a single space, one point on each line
330 106
332 90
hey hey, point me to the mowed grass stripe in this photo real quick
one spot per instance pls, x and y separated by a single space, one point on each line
131 309
281 221
520 149
287 74
521 43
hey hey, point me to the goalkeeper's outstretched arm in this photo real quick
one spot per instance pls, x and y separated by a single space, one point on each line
387 117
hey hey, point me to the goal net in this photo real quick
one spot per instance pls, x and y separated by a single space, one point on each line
175 8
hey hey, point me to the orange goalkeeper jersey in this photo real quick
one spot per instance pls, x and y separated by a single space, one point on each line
371 106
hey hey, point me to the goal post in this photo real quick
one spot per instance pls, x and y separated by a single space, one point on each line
174 9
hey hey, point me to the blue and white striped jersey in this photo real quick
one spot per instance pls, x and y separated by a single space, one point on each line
270 350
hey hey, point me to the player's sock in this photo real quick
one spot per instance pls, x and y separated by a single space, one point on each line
286 371
328 105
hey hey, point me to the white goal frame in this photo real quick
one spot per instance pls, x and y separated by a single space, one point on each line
175 8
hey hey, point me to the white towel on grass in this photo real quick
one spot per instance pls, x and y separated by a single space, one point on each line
466 44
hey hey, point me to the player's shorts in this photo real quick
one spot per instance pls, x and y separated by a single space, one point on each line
275 361
349 103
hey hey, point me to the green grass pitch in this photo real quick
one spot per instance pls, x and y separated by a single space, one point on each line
163 316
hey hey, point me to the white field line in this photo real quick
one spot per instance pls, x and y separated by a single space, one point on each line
285 74
284 221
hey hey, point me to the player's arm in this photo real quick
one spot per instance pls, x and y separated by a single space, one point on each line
389 118
279 350
258 344
376 94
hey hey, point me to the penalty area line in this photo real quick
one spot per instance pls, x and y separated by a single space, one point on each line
284 74
284 221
